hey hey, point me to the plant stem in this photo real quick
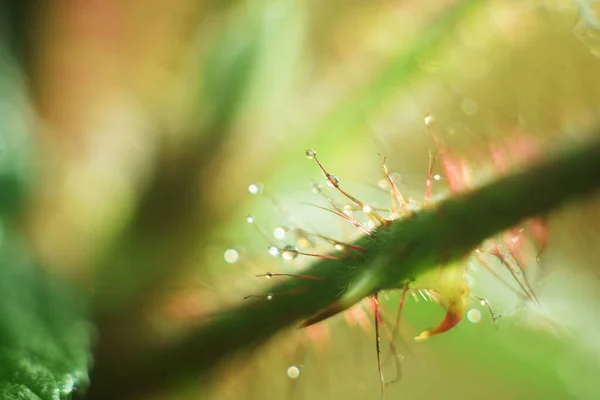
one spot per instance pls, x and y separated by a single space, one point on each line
395 254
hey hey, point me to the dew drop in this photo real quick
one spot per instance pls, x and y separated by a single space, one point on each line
231 256
289 252
304 242
250 219
429 119
310 154
316 188
332 180
367 209
274 251
474 315
279 232
339 247
483 302
347 210
255 189
437 177
293 372
268 275
270 296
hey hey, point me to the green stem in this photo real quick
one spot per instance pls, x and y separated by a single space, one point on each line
395 254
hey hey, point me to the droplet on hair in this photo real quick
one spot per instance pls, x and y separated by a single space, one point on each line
310 154
255 189
339 247
279 232
231 256
347 210
274 251
437 177
293 372
429 119
332 180
367 209
250 219
270 296
316 188
268 275
289 252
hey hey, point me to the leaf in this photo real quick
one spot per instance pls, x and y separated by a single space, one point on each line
44 338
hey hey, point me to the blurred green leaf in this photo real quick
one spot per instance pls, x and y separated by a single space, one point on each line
44 338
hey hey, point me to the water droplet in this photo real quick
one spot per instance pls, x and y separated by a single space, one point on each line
304 242
483 302
250 219
231 256
347 209
437 177
274 251
429 119
310 154
474 315
332 180
339 247
270 296
293 372
255 189
316 188
289 252
279 232
268 275
367 209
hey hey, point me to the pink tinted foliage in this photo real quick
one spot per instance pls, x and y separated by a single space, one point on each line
518 149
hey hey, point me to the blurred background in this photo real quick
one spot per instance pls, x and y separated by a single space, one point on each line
131 131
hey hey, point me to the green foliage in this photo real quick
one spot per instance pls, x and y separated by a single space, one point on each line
44 338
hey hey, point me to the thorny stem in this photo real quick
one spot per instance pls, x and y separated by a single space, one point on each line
396 254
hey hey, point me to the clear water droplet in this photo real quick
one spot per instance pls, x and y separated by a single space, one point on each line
274 251
339 247
255 189
304 242
332 180
293 372
268 275
279 232
270 296
437 177
483 302
474 315
367 209
231 256
289 252
347 210
316 188
310 154
429 119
